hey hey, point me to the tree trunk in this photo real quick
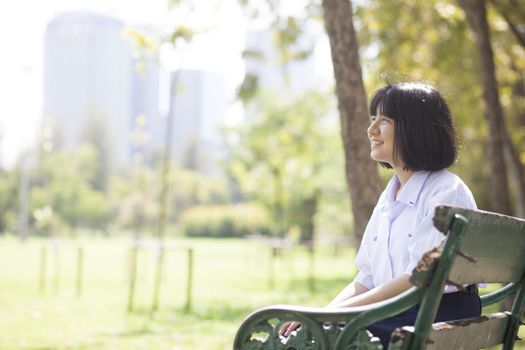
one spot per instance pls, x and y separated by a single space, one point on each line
309 208
361 172
518 96
516 169
514 14
477 17
512 156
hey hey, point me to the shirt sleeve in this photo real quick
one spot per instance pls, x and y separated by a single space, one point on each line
362 262
425 235
362 259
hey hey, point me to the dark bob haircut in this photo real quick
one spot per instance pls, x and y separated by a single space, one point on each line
425 138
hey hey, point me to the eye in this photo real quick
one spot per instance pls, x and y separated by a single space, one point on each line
373 119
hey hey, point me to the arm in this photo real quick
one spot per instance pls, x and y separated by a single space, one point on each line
355 294
385 291
350 291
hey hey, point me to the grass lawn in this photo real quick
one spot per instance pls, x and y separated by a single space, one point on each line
230 280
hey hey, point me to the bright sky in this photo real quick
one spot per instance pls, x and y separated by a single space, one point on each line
22 28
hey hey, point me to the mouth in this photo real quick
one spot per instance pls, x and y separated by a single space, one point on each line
375 143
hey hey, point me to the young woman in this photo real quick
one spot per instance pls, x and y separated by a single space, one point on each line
412 133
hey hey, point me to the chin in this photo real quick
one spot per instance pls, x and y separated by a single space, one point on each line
375 157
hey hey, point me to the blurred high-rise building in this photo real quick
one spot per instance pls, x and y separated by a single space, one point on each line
198 107
92 89
266 65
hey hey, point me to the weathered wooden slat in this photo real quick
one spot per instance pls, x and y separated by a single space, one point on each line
476 333
445 213
491 270
486 237
472 334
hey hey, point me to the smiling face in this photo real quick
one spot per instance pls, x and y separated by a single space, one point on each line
412 128
381 134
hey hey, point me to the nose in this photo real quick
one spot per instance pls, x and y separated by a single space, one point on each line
373 129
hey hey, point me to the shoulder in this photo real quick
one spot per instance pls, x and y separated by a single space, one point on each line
448 188
444 179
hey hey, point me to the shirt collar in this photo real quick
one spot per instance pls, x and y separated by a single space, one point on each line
410 191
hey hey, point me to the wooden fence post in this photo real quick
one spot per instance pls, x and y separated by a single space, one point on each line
132 276
80 269
43 261
190 279
156 287
311 265
56 281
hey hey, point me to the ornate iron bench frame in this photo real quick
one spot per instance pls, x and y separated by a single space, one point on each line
480 247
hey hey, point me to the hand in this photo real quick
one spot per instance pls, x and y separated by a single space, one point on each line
288 328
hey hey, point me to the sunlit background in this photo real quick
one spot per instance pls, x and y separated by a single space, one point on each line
168 166
222 36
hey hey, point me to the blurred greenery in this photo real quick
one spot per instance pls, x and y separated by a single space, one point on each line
218 221
289 157
430 41
98 318
283 176
62 182
63 186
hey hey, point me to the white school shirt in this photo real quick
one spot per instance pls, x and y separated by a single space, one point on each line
400 230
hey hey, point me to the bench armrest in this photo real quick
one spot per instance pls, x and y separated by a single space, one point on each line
499 295
330 328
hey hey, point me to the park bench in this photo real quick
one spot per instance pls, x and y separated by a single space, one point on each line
480 247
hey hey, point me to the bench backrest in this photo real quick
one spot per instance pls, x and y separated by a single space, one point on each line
480 247
493 246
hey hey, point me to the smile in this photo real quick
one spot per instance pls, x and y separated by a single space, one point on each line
376 143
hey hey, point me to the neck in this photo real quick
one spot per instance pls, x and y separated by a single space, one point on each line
403 175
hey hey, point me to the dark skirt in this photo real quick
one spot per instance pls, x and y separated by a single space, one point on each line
453 306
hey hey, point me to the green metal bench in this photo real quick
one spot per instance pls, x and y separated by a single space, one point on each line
480 247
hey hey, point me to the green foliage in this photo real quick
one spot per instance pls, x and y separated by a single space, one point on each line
134 200
431 41
9 182
288 158
135 196
181 34
248 89
65 194
291 42
219 221
63 181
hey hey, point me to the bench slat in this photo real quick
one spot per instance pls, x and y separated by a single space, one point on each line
486 237
472 334
492 270
476 333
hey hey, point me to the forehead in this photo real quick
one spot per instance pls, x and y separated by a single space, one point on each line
377 103
378 110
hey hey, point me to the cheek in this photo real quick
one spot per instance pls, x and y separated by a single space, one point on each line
386 133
